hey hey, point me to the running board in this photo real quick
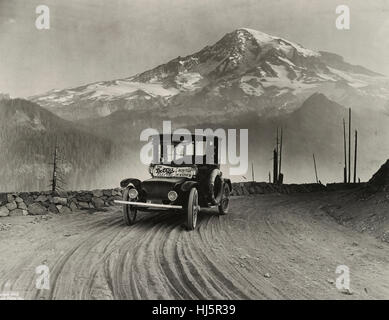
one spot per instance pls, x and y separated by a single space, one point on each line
149 205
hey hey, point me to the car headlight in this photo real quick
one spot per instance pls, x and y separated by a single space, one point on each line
132 193
194 171
172 195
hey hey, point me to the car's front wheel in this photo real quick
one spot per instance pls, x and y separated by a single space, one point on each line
192 209
129 211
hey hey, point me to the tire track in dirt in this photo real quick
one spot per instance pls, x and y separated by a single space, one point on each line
226 257
139 264
68 273
23 273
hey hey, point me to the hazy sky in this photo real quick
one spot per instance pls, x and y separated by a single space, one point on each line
93 40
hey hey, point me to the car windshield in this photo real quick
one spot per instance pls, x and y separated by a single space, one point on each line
177 152
187 152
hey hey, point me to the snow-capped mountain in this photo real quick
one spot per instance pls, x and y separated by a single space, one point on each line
247 70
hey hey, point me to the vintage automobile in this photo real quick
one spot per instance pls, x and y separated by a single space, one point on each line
176 185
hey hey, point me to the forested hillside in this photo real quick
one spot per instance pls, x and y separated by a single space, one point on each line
28 134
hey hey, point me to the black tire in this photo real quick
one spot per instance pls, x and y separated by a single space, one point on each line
215 186
225 200
129 212
192 209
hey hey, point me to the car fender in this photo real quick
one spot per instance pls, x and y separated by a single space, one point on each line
130 181
187 185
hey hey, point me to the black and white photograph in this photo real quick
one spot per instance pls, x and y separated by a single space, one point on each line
182 150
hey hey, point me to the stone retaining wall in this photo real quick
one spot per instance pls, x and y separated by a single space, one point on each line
40 203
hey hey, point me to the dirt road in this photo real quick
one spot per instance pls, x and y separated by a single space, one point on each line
268 247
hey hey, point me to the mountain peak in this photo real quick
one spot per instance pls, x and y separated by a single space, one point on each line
323 107
266 40
248 69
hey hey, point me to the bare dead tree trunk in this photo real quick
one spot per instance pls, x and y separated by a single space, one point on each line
275 166
280 175
345 153
355 156
54 178
314 164
57 180
277 141
349 145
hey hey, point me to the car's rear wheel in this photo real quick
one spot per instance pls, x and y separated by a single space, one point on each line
225 200
215 186
129 211
192 209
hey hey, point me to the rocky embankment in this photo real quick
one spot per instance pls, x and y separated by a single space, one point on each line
40 203
246 188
